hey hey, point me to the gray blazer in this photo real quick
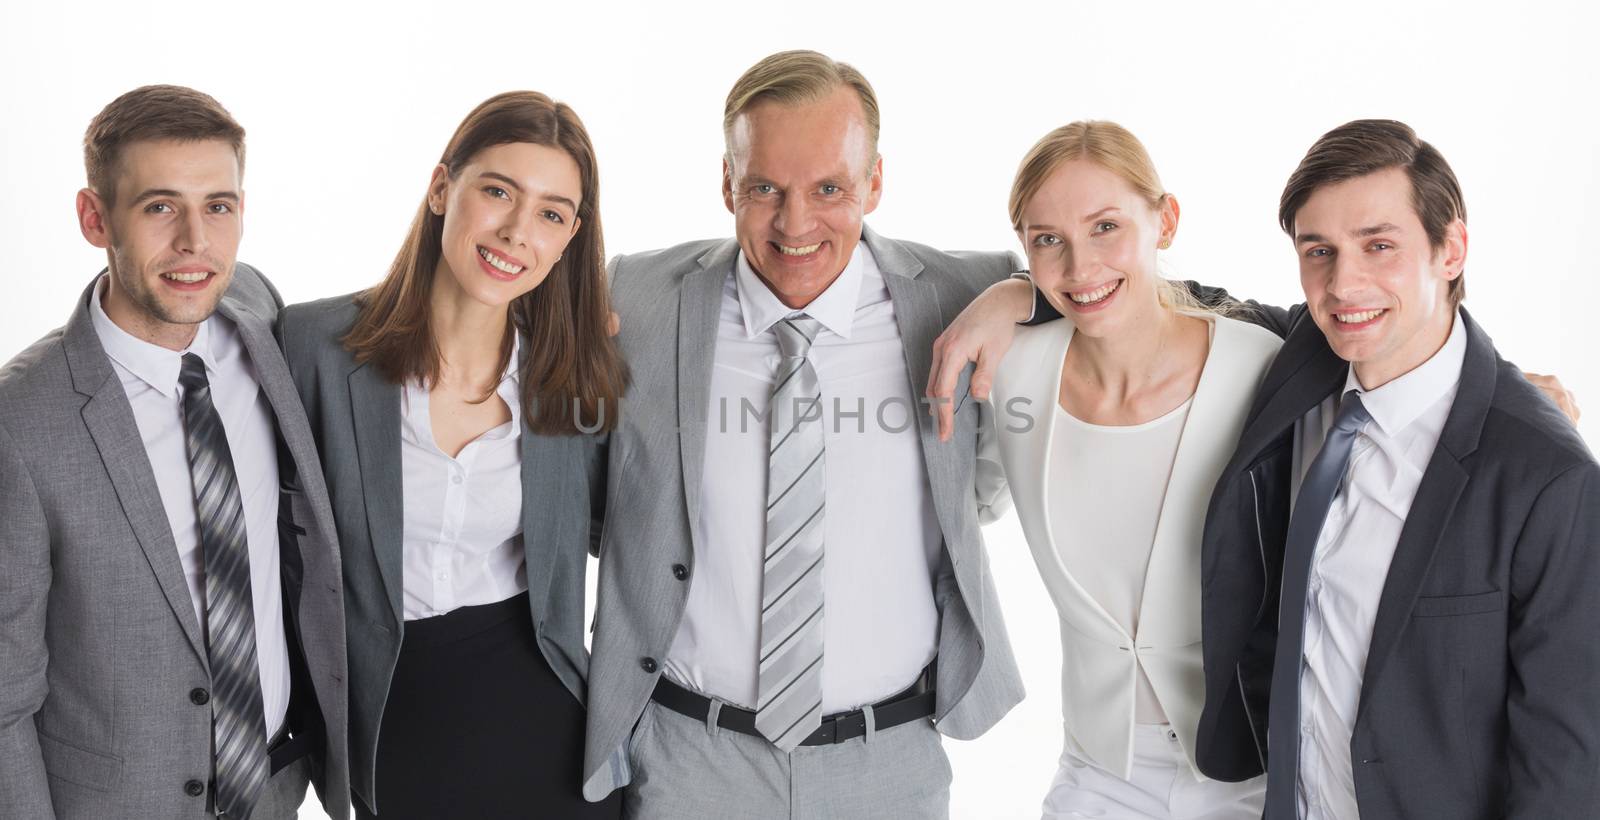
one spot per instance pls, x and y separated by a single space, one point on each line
99 644
669 301
355 416
1481 694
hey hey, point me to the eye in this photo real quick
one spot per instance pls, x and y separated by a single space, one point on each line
1319 252
1046 240
221 208
830 190
158 208
1382 246
1103 227
554 216
496 191
764 189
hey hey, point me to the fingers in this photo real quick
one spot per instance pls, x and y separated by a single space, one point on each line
943 391
614 324
1565 400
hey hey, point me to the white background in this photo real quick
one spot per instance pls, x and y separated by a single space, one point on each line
348 108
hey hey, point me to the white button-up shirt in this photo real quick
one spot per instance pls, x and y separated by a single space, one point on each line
881 538
462 536
1352 559
149 376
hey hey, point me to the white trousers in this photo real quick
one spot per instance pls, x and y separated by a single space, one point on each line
1163 787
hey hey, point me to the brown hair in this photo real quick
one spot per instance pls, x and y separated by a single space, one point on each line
797 77
1113 148
1362 147
572 373
153 112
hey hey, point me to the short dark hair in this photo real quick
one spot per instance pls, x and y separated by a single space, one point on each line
153 112
1363 147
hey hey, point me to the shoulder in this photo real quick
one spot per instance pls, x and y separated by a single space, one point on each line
32 376
674 261
1246 339
1524 425
251 287
1035 353
977 268
309 330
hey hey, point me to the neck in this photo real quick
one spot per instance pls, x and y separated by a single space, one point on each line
468 334
1428 342
1124 363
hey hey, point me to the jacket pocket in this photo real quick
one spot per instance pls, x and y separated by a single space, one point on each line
79 766
1442 606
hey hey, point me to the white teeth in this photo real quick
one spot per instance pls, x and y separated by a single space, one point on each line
1093 296
186 278
809 249
497 263
1357 318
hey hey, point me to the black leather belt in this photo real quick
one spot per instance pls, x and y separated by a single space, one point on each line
284 750
914 702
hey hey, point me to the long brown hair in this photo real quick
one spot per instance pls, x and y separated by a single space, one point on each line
572 374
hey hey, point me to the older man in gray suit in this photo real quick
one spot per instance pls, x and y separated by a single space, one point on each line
794 601
171 626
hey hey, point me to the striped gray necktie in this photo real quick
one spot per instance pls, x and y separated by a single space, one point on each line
238 725
789 691
1317 491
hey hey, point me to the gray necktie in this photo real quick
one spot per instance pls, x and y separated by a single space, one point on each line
1317 491
789 691
238 726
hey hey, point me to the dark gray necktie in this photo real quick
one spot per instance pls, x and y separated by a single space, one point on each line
789 685
1317 491
238 725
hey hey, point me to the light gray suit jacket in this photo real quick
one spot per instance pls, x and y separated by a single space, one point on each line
99 644
355 416
669 301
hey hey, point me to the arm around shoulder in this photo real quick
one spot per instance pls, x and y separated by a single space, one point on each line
25 576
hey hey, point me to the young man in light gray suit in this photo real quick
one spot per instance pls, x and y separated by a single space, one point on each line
794 600
171 624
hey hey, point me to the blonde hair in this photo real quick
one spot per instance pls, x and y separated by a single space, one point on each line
1113 148
794 78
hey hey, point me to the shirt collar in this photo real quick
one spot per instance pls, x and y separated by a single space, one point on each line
151 363
835 307
1399 402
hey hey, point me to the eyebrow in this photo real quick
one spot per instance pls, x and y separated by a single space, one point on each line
155 193
513 183
1371 230
1102 212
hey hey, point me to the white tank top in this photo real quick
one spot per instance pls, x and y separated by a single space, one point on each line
1107 488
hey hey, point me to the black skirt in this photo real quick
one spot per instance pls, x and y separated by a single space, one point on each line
478 726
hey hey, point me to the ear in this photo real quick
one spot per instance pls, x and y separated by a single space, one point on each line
438 188
1454 249
94 220
1168 211
727 184
577 222
874 186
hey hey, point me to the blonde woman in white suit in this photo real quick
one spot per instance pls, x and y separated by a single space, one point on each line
1113 428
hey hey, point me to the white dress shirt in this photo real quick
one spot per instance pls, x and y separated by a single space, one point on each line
149 376
1352 558
881 539
1113 508
462 536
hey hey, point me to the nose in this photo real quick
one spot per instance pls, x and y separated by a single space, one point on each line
191 236
1346 279
794 216
517 227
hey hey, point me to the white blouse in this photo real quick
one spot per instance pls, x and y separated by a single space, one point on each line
462 536
1112 494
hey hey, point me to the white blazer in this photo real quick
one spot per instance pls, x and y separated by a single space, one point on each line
1098 669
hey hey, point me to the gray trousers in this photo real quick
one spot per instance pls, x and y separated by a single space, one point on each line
686 769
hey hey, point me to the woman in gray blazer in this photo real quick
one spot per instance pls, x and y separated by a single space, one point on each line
454 405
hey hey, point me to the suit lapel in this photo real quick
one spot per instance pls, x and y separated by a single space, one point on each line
547 463
1435 502
699 306
110 422
375 411
1305 372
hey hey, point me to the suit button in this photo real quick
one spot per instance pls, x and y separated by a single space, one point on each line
680 572
194 788
198 696
648 665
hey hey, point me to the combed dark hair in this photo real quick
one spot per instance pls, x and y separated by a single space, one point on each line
572 376
153 112
1363 147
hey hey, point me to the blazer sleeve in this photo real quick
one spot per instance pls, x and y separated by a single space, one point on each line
25 576
1553 709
